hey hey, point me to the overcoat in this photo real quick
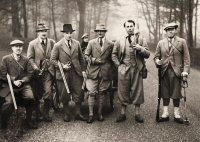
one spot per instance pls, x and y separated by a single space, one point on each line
178 56
94 50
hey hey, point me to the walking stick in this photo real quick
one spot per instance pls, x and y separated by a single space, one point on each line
159 94
185 85
65 81
11 91
87 71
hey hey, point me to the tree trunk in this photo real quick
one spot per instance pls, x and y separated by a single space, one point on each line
190 17
81 6
196 19
53 19
25 19
15 19
182 18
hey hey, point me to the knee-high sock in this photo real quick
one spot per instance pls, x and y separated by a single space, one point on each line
101 102
137 109
123 109
91 99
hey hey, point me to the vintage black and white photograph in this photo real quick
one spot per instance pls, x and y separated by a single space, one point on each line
99 71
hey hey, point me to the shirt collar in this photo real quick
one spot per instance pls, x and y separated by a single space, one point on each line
45 40
103 39
66 41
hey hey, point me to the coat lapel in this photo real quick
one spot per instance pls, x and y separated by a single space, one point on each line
39 46
97 45
73 46
65 47
105 47
175 44
48 47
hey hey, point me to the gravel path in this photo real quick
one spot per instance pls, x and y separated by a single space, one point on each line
129 131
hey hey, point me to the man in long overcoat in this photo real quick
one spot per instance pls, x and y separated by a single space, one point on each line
128 55
39 52
20 71
68 52
98 53
172 56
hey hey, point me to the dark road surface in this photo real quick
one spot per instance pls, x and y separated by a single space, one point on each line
129 131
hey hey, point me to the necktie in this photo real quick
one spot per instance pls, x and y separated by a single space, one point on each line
170 44
69 44
129 39
101 42
42 43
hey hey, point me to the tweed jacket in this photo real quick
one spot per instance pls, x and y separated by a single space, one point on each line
62 53
119 50
94 51
36 53
21 70
178 56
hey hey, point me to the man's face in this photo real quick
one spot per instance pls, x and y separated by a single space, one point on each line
17 49
171 32
101 34
129 28
67 35
85 39
42 34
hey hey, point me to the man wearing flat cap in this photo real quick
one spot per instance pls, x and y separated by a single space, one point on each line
19 68
68 52
98 53
128 55
173 58
39 52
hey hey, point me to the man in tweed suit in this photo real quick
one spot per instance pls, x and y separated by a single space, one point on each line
39 52
172 56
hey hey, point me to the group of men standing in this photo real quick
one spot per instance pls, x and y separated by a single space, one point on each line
94 68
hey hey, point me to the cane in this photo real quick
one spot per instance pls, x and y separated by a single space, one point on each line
185 85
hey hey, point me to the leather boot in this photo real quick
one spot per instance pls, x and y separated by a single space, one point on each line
47 106
29 123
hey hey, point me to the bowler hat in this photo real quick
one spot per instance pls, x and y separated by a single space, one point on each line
100 27
67 28
85 35
16 42
41 27
170 26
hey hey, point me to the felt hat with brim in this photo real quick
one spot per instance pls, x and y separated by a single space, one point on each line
171 26
16 42
41 27
67 28
85 35
100 27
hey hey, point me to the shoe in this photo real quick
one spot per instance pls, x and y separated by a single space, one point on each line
163 119
47 119
66 118
100 117
121 118
90 119
80 117
139 119
31 125
179 120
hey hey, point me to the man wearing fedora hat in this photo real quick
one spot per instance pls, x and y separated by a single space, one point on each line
98 53
20 71
128 55
39 52
68 52
172 57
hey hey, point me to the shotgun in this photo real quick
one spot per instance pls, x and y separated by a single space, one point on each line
11 91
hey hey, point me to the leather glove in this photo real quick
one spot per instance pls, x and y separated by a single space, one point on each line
184 74
159 62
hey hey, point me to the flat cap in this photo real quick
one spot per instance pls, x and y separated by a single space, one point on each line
16 42
170 26
41 27
100 27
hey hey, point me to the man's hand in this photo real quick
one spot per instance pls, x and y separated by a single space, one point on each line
36 69
184 74
159 62
98 61
18 83
67 66
137 47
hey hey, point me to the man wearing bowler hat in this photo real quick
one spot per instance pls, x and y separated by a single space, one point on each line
98 53
172 57
39 52
68 52
20 71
